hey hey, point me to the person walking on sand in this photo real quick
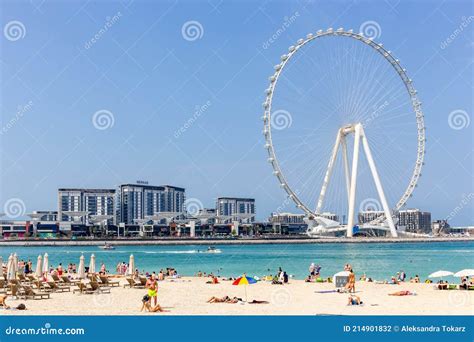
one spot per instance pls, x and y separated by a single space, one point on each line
152 286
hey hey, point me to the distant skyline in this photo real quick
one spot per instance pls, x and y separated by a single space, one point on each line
97 94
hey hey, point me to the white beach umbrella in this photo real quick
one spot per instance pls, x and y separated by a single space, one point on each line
1 263
15 262
131 265
81 273
39 266
46 263
440 274
465 273
92 264
11 274
340 274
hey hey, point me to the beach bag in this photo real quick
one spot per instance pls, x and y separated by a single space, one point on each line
21 307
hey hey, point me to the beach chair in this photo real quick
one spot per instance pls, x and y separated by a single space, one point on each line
132 283
3 287
14 290
22 278
83 288
142 280
107 282
97 288
58 288
30 293
65 279
56 278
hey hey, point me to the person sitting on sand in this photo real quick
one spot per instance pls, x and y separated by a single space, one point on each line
354 300
147 306
3 302
402 293
394 281
415 280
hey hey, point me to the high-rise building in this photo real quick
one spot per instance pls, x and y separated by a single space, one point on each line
415 220
93 202
241 209
136 201
369 215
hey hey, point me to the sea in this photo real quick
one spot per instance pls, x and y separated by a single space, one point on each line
379 261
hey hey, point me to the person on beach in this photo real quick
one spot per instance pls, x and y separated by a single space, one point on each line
354 300
415 280
402 293
147 306
3 302
152 286
312 269
350 286
60 269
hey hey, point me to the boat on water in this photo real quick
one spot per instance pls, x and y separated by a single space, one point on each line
213 250
107 246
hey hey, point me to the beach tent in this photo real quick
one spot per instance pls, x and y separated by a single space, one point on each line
39 266
131 265
45 263
244 280
440 274
340 279
81 273
92 264
465 273
11 274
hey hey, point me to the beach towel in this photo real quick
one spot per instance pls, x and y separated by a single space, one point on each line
325 291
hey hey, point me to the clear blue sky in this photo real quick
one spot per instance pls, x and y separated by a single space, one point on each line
151 79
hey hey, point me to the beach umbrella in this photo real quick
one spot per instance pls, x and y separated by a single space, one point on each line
39 266
15 262
465 273
131 265
1 264
92 264
440 274
340 274
45 263
11 274
244 280
81 273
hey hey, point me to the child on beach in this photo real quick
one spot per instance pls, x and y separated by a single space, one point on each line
147 306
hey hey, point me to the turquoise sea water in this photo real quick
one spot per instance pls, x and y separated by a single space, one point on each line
377 260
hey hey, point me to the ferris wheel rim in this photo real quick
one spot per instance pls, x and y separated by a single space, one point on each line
415 105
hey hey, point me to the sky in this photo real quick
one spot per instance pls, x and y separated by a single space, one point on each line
100 93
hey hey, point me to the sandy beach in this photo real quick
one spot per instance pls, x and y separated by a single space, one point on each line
188 296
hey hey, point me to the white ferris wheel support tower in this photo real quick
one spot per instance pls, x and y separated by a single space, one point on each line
351 174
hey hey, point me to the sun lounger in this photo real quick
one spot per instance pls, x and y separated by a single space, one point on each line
96 288
83 288
15 290
58 288
134 284
142 280
30 293
65 279
105 280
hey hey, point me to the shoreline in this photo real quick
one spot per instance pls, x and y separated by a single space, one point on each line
189 241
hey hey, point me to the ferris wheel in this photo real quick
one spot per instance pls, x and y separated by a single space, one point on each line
344 130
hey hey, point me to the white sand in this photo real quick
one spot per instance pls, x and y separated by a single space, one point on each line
188 296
